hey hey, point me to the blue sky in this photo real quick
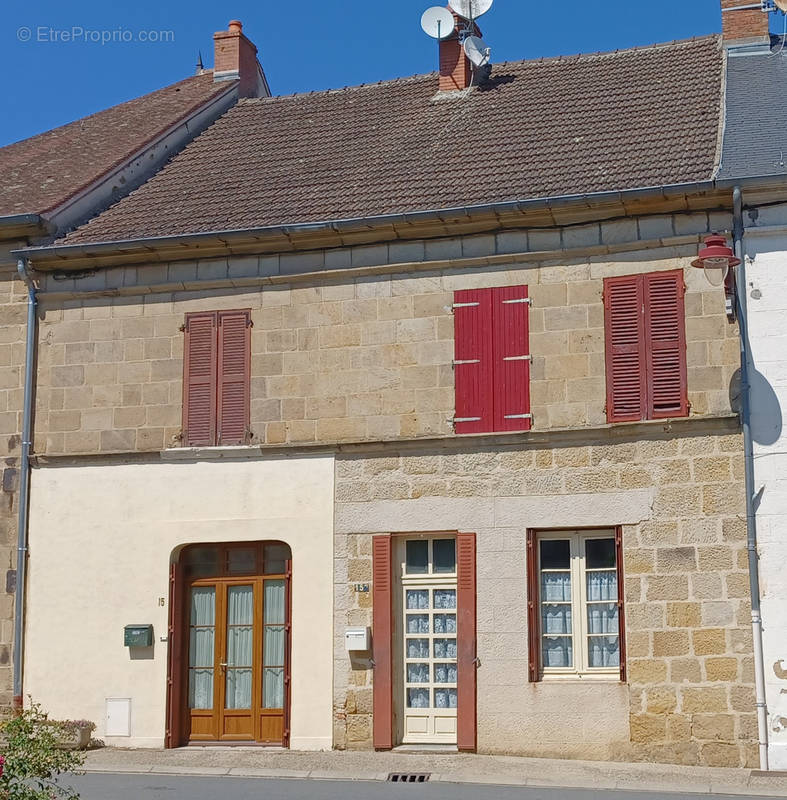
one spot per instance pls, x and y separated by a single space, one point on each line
304 44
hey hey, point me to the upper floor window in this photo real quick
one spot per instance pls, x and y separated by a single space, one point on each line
645 332
492 360
216 370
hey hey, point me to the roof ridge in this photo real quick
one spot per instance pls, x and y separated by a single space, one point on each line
541 60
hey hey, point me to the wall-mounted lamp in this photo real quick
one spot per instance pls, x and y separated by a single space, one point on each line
716 258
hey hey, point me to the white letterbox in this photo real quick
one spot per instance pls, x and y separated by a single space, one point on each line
356 639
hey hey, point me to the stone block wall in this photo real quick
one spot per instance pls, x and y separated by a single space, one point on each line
364 358
678 494
13 315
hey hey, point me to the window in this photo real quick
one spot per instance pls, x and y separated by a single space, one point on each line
575 604
492 360
645 329
216 367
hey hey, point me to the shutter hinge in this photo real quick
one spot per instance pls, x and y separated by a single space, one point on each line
183 328
458 362
528 300
518 358
464 305
457 420
518 416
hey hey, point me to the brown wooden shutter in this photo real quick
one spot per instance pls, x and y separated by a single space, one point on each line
621 605
533 627
233 375
625 349
665 337
175 699
382 642
473 361
511 358
466 641
287 652
199 380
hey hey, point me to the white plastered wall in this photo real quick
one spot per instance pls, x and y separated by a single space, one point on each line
101 538
767 305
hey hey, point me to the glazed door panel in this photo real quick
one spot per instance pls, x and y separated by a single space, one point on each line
238 647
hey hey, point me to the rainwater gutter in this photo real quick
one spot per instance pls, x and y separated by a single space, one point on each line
24 485
751 514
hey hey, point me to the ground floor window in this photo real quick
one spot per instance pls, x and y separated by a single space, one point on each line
230 644
575 604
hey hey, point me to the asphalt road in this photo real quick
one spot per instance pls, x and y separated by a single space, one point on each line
166 787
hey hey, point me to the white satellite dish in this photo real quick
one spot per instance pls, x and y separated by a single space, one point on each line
477 51
470 9
438 22
781 5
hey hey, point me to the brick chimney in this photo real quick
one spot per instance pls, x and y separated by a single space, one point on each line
456 72
749 26
235 59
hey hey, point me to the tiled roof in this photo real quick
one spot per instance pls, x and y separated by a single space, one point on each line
40 173
755 133
612 121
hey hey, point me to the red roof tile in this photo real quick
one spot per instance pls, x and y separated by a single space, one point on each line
40 173
637 118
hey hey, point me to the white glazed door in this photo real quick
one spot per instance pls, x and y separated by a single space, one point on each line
428 643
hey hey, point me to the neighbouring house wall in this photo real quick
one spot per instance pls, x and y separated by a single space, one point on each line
678 493
13 314
366 358
767 304
101 540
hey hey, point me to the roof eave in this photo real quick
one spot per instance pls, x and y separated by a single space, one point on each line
14 225
65 256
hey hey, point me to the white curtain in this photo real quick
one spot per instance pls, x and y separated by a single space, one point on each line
417 673
602 585
201 647
555 586
445 673
417 623
445 598
273 645
417 648
444 648
444 623
418 698
557 651
445 698
417 599
604 651
556 618
240 639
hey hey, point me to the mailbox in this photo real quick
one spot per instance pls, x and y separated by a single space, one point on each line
356 639
138 636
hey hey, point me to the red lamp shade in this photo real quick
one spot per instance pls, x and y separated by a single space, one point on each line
716 254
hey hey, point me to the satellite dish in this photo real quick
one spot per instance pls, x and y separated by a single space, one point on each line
470 9
477 51
781 5
438 22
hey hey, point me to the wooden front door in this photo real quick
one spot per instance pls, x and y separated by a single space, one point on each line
237 658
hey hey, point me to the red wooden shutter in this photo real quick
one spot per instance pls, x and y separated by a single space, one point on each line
621 608
665 334
625 348
234 368
533 628
473 361
466 641
199 380
382 641
175 700
511 358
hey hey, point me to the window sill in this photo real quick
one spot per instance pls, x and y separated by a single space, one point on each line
576 677
211 453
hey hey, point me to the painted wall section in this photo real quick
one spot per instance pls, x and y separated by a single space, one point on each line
102 538
767 304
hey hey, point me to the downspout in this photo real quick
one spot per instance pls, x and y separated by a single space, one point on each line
24 485
748 447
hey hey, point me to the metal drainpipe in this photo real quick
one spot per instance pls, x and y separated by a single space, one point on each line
24 485
751 518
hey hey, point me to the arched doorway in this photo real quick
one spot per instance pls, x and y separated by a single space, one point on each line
230 632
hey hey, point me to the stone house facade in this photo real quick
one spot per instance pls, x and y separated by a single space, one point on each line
251 387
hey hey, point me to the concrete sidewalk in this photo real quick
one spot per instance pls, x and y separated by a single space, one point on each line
444 767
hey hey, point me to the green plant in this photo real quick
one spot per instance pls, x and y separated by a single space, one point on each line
33 758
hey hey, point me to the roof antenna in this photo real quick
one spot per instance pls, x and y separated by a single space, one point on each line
200 67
